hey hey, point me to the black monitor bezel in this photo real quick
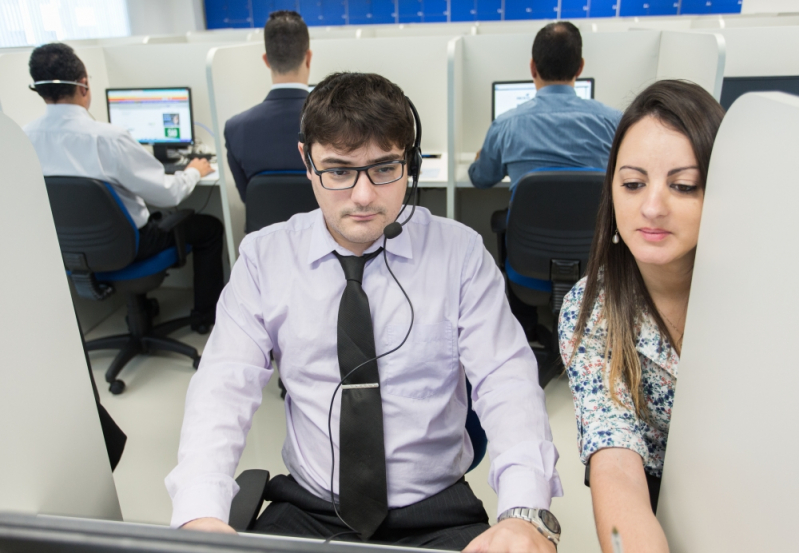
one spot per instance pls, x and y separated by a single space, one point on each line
770 78
528 81
158 142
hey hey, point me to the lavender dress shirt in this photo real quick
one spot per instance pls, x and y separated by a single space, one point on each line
283 296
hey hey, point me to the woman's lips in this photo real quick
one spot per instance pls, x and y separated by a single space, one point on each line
654 234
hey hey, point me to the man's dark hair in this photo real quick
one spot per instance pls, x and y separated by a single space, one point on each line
286 40
350 110
558 51
55 61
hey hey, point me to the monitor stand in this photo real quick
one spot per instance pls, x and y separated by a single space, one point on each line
163 154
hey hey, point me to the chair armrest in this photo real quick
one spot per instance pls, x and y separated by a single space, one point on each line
174 223
246 505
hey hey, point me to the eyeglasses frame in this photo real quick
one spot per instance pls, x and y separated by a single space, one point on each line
358 170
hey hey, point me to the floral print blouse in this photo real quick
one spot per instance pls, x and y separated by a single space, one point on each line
602 422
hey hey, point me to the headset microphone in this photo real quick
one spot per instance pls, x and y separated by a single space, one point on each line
392 230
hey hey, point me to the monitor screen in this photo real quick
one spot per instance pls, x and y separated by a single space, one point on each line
509 94
152 115
733 87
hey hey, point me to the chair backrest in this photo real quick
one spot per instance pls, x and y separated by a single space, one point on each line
274 197
552 217
93 226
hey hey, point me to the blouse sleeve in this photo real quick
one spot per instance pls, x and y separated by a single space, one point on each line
601 422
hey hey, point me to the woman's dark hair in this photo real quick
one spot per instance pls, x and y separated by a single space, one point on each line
350 110
286 40
690 110
558 51
55 61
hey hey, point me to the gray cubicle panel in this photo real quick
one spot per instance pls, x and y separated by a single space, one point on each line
730 481
53 458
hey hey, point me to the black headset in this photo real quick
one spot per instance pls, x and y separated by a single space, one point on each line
394 229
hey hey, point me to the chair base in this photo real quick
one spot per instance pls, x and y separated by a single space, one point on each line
143 338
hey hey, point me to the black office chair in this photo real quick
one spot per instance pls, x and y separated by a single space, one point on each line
544 240
246 505
275 196
98 242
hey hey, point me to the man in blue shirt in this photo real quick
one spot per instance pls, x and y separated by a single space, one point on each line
554 129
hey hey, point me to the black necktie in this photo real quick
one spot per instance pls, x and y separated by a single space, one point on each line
362 474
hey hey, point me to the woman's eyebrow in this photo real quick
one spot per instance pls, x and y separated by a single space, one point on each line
681 169
639 169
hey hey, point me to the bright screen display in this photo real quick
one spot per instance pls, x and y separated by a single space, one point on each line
511 94
152 115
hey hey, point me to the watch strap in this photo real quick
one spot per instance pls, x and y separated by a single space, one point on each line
532 516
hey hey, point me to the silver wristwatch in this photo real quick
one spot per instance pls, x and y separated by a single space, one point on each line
543 520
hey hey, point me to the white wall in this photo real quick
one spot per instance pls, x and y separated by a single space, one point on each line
164 17
770 6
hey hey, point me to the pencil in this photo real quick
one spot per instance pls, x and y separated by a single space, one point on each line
615 539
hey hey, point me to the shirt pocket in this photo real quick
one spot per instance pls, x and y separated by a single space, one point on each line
425 366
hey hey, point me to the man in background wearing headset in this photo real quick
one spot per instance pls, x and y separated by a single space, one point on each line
374 326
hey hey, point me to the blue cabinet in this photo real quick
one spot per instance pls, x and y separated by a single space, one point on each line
422 11
226 14
531 9
488 10
262 8
364 12
573 9
710 6
603 8
631 8
323 12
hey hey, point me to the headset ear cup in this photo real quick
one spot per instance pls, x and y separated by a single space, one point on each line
416 163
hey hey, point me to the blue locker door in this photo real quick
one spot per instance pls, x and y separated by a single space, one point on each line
411 11
692 7
573 9
435 11
225 14
631 8
603 8
531 9
463 10
323 12
489 10
262 8
364 12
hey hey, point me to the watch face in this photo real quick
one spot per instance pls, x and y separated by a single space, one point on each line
549 521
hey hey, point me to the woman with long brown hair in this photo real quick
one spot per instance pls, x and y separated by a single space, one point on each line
621 327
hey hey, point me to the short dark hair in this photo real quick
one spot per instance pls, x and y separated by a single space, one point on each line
350 110
286 40
558 51
55 61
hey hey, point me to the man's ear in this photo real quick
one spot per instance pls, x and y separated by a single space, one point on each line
533 70
266 60
301 148
582 66
308 56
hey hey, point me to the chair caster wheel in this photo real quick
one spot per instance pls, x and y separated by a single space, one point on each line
117 387
196 363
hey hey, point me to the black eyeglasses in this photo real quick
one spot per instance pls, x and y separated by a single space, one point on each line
342 178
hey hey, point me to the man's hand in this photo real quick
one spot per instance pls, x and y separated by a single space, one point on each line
512 535
477 155
202 165
208 524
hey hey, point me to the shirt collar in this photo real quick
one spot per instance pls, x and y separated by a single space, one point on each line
654 346
556 89
323 243
66 110
299 86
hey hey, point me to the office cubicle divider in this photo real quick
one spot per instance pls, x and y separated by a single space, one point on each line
54 458
697 57
761 51
237 79
730 481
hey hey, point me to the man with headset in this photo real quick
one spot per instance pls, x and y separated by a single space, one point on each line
375 314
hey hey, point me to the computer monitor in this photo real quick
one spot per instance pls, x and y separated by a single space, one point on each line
733 87
506 95
158 116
